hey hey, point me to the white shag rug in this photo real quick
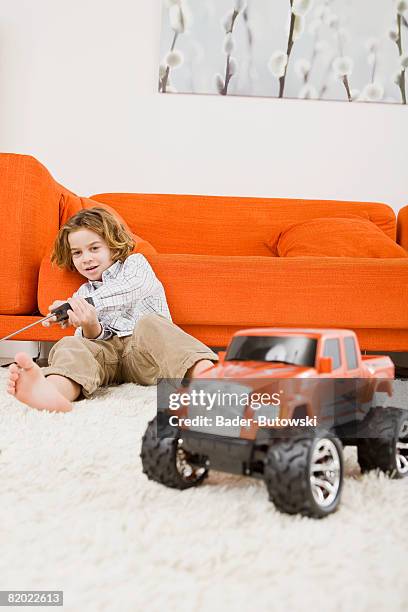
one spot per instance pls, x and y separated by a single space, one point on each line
77 514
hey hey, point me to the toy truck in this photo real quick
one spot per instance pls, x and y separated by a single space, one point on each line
302 466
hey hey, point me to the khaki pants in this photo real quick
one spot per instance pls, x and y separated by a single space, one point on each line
156 349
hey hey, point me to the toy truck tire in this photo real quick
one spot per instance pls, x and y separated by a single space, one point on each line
298 481
165 461
386 445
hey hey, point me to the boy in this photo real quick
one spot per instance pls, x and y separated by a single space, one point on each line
127 336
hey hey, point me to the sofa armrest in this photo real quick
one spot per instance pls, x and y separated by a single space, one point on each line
29 221
402 227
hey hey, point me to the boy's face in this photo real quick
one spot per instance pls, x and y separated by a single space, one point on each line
90 254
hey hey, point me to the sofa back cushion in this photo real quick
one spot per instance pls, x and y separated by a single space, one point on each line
339 237
220 225
71 204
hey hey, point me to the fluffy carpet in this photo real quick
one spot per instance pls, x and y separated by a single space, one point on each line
78 514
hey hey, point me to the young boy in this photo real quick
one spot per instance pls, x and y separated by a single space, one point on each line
127 336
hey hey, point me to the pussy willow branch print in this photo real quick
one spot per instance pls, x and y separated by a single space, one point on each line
350 50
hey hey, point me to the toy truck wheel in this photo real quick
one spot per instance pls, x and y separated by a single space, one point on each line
305 475
164 460
386 445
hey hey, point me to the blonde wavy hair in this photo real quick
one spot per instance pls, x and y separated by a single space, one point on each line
102 222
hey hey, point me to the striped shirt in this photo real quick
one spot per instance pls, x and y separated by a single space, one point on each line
126 293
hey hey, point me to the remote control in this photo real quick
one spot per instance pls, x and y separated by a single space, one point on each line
61 312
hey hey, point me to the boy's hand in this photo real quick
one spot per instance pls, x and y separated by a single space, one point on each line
53 320
83 314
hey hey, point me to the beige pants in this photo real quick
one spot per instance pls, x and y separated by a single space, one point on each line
156 349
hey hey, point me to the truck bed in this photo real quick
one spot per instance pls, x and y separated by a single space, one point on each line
380 365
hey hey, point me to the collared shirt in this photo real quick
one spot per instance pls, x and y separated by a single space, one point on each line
126 293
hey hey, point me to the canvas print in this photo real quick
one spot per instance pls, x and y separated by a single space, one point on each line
349 50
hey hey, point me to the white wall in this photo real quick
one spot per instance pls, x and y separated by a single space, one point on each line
78 90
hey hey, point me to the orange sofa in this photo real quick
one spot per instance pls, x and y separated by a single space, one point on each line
212 258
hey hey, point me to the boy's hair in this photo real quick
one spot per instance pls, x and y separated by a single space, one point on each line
103 223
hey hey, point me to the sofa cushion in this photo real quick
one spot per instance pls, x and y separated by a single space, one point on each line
278 228
224 225
262 291
71 204
335 237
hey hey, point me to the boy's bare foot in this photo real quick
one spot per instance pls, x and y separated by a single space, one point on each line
28 384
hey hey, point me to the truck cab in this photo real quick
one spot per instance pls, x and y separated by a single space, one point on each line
322 352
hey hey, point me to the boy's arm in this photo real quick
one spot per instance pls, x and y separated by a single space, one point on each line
105 334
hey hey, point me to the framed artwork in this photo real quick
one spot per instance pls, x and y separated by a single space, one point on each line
345 50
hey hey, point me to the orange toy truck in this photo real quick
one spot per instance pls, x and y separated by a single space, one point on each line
279 406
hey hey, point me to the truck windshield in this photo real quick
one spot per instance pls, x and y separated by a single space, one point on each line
296 350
